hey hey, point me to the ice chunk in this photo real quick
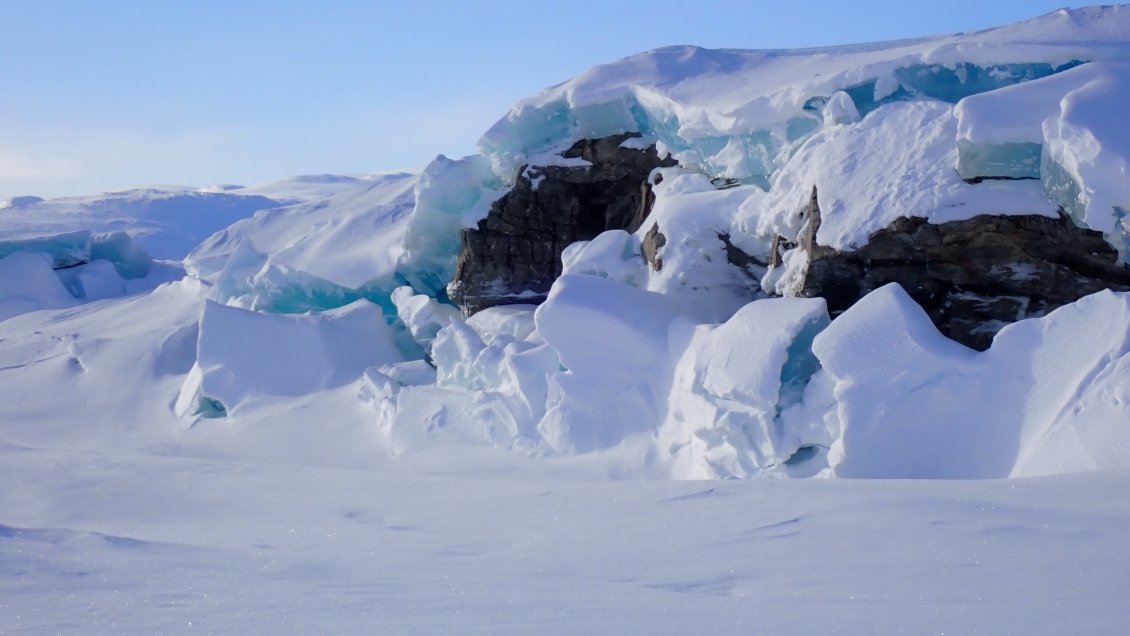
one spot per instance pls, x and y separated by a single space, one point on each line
1000 134
450 195
904 396
840 109
96 280
499 379
513 321
66 249
731 383
612 338
243 354
164 223
1087 154
422 417
1073 371
605 330
28 283
71 249
118 248
422 315
250 280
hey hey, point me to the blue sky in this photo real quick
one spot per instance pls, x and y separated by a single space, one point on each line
107 95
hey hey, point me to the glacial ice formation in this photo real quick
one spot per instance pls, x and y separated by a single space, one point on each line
657 352
737 113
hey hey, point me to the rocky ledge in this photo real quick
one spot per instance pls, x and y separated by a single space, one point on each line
514 254
972 277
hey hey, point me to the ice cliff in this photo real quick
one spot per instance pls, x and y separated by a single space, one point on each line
903 259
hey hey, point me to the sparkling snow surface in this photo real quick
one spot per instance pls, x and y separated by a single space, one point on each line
290 430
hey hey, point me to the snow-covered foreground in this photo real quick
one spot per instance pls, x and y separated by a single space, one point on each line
106 542
290 514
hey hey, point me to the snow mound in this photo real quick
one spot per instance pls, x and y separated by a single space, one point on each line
1047 397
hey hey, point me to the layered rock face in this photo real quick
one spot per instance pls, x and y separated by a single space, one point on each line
972 277
514 254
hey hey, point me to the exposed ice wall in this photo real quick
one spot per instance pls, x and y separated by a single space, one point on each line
1086 155
739 113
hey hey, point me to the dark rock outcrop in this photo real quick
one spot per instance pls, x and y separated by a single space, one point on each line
514 254
649 246
972 277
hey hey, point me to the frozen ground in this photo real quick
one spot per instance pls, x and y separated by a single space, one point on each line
109 542
291 515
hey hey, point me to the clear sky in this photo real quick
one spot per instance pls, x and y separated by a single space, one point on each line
102 94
